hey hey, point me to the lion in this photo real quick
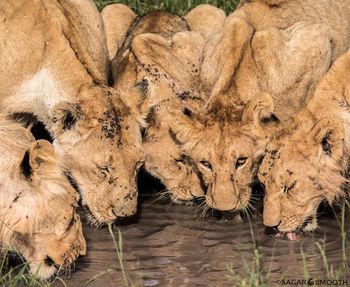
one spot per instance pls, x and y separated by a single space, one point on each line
257 72
157 51
54 66
38 214
306 163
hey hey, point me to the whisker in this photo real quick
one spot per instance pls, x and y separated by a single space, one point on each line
163 194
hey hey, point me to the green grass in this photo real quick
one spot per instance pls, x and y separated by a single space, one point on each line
180 7
20 275
254 274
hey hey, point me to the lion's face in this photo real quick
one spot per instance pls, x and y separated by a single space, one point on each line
100 140
226 160
57 239
299 171
39 211
177 171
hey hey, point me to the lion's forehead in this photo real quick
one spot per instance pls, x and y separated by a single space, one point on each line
227 148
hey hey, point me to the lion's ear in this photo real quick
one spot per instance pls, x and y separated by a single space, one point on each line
259 113
40 151
185 129
329 135
138 100
178 57
65 115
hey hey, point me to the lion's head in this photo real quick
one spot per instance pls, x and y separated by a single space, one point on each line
38 204
167 162
303 166
226 146
99 140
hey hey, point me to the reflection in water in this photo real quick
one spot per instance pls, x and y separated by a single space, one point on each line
169 245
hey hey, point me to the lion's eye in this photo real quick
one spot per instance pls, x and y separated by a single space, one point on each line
183 159
139 164
290 187
206 164
241 161
70 224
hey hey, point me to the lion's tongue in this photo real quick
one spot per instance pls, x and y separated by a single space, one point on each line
292 236
274 232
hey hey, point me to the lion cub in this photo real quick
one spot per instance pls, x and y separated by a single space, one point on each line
37 203
158 52
307 162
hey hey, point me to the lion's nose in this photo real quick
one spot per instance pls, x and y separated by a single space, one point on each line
50 262
123 211
83 247
223 205
112 216
271 230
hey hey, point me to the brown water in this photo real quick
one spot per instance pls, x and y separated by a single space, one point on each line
169 245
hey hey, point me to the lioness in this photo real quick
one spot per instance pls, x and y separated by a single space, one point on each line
54 65
256 73
307 161
158 52
37 203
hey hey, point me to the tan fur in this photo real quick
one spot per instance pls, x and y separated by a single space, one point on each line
307 162
38 205
54 65
124 65
281 49
256 73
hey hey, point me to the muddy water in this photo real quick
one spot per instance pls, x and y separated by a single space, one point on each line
171 245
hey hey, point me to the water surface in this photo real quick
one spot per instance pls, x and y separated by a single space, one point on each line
172 245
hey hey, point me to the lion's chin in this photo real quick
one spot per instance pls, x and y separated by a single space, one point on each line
42 271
